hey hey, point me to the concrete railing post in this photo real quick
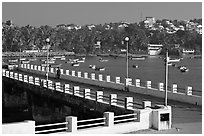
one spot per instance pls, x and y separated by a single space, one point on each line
146 104
16 76
7 73
31 79
11 74
100 77
79 73
99 96
31 67
58 86
52 70
128 103
35 67
113 99
189 90
62 71
50 83
148 85
71 124
109 118
43 68
76 90
28 66
161 86
66 88
4 72
85 75
20 77
37 81
39 68
67 72
117 80
25 79
174 88
87 93
128 81
73 73
93 76
108 78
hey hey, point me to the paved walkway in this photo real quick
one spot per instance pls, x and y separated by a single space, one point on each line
186 118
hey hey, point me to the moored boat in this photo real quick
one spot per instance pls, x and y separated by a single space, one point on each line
75 64
100 69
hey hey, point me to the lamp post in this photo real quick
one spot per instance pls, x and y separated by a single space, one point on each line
47 43
166 76
127 40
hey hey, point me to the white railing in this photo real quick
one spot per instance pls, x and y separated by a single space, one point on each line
126 119
91 124
51 125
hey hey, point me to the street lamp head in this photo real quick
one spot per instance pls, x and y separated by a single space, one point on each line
48 40
126 38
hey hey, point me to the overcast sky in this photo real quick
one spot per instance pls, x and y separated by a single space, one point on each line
82 13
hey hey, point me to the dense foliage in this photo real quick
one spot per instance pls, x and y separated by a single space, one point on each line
111 37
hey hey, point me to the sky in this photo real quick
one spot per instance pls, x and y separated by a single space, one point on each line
83 13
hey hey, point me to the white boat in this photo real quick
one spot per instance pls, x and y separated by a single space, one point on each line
15 60
183 69
102 60
154 49
22 59
100 69
55 65
135 66
82 60
50 62
63 58
75 64
174 60
59 57
25 62
34 59
52 58
138 58
92 66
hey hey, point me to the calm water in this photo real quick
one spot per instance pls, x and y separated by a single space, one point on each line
149 69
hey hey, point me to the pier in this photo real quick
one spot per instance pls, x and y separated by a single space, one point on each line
117 112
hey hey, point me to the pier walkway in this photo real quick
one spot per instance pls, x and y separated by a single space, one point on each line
186 118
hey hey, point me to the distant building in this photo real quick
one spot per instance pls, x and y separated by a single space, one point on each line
149 22
98 45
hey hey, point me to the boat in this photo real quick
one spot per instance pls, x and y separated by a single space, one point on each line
34 59
22 59
82 60
154 49
102 60
25 62
135 66
100 69
92 66
183 68
14 60
52 58
55 65
58 57
50 61
174 60
138 58
45 65
63 58
75 64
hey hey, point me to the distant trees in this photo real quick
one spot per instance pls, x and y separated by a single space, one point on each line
111 37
